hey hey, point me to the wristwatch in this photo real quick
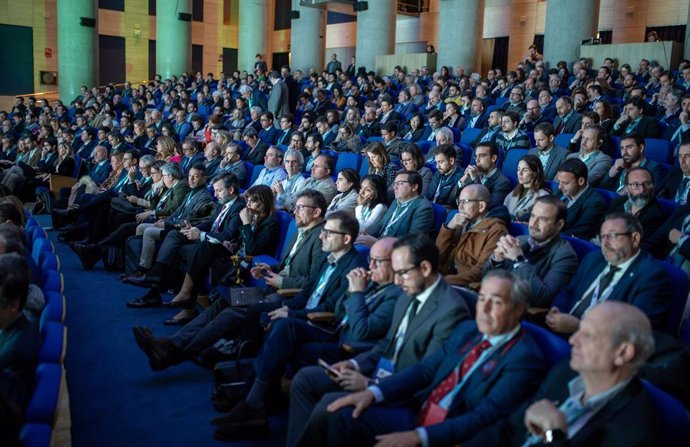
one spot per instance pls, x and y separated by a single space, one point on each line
521 259
553 435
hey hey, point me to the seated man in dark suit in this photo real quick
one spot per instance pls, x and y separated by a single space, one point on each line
192 155
632 156
99 168
567 120
550 155
671 239
633 120
599 400
481 374
256 149
676 185
541 258
620 272
476 119
640 201
586 207
19 339
269 134
423 319
320 292
409 212
485 172
443 188
362 317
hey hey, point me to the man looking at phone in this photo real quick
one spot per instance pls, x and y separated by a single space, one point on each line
362 317
485 172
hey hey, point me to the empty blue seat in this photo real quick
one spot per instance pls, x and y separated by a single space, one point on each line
364 168
658 150
425 146
510 163
363 250
348 160
563 139
679 298
53 343
40 245
582 248
249 167
469 135
457 135
440 214
52 281
44 402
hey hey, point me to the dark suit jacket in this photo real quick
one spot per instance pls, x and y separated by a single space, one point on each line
260 239
419 217
648 127
212 166
332 297
548 270
229 228
369 315
629 419
657 242
284 137
585 215
99 173
499 186
448 191
256 155
166 205
433 324
196 210
556 157
188 162
645 284
571 126
86 149
478 124
370 130
19 347
307 262
651 216
497 388
669 186
270 135
612 183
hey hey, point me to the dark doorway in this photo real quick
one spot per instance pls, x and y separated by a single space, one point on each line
675 32
229 60
500 59
280 59
197 58
111 63
17 66
152 59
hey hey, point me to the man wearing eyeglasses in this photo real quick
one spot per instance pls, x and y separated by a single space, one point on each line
232 162
409 212
321 179
424 317
640 201
632 156
362 318
621 272
467 241
485 172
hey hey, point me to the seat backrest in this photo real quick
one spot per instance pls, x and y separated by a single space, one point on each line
291 231
582 247
284 219
608 196
348 160
53 343
249 167
440 214
518 229
364 168
44 402
363 250
36 435
510 163
673 416
679 298
256 170
553 348
40 244
469 135
563 139
52 281
457 135
425 146
658 150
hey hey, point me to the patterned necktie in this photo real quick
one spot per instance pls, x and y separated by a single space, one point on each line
604 283
219 219
451 381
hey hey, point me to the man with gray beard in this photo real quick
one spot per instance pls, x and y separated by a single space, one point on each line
640 200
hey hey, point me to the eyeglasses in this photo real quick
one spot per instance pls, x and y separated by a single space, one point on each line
400 182
466 201
613 235
301 207
405 274
378 261
636 185
328 232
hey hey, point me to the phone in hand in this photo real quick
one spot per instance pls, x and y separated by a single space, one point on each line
329 369
265 272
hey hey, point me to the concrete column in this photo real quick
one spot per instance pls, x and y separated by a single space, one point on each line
460 34
308 38
77 47
173 38
567 26
253 33
686 47
375 32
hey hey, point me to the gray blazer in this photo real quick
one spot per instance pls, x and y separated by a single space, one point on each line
598 166
306 264
432 325
556 157
196 210
420 217
548 268
278 102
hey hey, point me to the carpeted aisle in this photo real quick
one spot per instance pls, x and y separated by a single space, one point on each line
115 399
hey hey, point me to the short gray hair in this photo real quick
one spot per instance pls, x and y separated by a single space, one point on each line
146 160
245 89
172 169
447 133
520 291
297 154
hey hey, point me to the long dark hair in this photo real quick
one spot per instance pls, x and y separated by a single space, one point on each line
264 196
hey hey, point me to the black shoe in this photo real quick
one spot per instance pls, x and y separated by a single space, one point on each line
143 335
89 255
179 321
151 299
181 303
241 412
143 281
257 428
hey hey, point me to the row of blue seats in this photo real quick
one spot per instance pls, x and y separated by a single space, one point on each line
41 413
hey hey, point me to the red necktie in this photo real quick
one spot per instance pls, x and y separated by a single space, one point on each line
560 127
449 383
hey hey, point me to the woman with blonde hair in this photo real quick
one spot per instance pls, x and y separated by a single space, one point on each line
165 148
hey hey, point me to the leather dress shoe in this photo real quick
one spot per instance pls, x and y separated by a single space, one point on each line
241 412
151 299
179 321
181 303
143 281
245 430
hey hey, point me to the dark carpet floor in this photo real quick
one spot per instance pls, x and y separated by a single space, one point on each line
115 399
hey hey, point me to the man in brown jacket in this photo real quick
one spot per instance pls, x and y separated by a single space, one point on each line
468 240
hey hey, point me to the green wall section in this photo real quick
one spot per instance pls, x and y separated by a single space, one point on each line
16 66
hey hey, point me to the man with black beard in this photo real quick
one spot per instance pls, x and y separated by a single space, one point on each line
640 200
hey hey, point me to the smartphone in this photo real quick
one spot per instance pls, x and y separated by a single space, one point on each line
329 370
265 272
